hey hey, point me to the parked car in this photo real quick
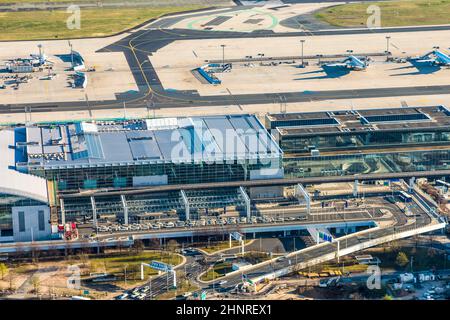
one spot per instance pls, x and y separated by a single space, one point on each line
179 224
169 225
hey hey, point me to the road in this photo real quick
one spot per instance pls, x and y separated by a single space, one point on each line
260 183
315 252
342 217
195 265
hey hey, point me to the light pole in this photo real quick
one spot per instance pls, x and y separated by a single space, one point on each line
445 261
150 285
261 55
71 52
223 54
387 43
302 42
167 281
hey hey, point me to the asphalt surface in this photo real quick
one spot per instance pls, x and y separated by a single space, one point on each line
151 94
195 266
422 220
216 229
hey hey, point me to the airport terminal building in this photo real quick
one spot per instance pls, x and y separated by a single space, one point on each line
363 141
101 171
53 160
138 153
24 210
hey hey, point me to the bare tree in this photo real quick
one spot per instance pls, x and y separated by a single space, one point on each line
172 245
138 246
34 255
154 243
35 282
11 287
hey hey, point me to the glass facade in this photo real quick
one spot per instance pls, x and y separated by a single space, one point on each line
362 140
89 177
7 202
382 162
300 122
153 205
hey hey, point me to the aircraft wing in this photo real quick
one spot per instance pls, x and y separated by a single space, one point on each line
339 64
442 58
424 60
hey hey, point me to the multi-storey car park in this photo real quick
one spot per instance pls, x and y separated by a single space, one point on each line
352 142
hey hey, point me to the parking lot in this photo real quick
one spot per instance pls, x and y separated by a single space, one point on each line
114 228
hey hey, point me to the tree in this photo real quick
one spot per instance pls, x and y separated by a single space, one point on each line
11 287
35 283
431 252
172 245
395 246
34 255
138 246
401 260
278 248
120 245
154 243
84 258
3 270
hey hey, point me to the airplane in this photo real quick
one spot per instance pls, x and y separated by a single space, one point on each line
435 57
351 62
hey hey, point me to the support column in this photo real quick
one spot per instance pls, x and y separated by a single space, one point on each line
125 209
338 249
186 205
355 188
174 278
300 192
247 203
63 211
94 213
